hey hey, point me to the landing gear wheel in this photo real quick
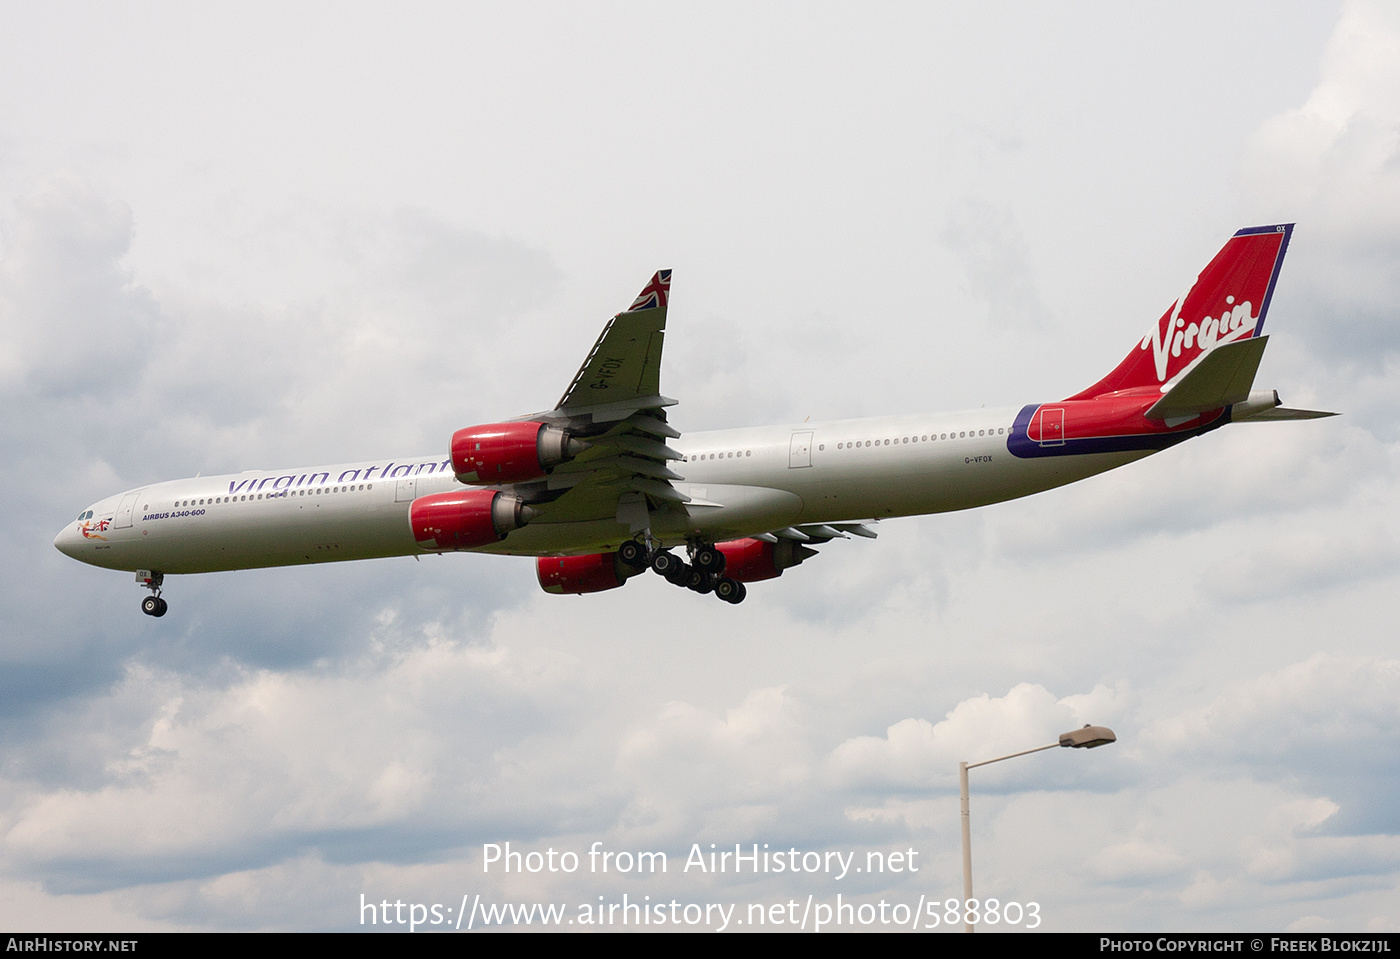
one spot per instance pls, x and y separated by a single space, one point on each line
152 605
665 563
633 553
681 575
710 559
730 590
701 581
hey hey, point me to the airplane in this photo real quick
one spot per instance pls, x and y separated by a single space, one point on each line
603 487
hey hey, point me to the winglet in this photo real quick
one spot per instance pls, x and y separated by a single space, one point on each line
654 294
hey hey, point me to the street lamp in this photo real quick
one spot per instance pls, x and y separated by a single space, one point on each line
1088 737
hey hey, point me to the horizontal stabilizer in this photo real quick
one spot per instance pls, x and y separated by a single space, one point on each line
1221 377
1284 413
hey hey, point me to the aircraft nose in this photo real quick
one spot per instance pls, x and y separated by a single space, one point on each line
67 540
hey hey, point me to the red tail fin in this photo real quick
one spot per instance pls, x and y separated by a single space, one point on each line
1227 303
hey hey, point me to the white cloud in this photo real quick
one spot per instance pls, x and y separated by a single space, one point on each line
915 753
282 756
1333 163
989 243
1313 707
71 319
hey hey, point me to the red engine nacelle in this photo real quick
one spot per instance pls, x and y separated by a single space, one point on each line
466 519
509 452
750 560
582 574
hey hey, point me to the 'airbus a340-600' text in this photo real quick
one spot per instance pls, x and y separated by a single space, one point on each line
603 486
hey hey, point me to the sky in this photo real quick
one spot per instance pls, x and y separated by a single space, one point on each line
240 236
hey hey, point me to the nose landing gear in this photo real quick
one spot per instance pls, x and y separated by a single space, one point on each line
152 605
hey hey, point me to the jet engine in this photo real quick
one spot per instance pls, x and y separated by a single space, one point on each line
510 452
466 519
582 574
750 560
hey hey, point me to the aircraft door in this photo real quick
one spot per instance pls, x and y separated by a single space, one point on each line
800 452
406 491
1051 421
124 510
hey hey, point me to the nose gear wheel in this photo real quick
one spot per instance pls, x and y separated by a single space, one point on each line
152 605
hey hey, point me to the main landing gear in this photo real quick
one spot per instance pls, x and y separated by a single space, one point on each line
703 574
152 605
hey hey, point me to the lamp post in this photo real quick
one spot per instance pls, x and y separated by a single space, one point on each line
1087 738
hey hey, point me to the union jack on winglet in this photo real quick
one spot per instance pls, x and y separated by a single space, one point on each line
654 294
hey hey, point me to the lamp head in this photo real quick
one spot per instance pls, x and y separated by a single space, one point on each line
1089 737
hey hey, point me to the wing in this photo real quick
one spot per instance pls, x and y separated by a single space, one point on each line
615 407
623 371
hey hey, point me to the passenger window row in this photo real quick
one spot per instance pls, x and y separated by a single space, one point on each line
282 494
925 438
731 454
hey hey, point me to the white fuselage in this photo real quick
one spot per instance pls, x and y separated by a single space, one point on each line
740 482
